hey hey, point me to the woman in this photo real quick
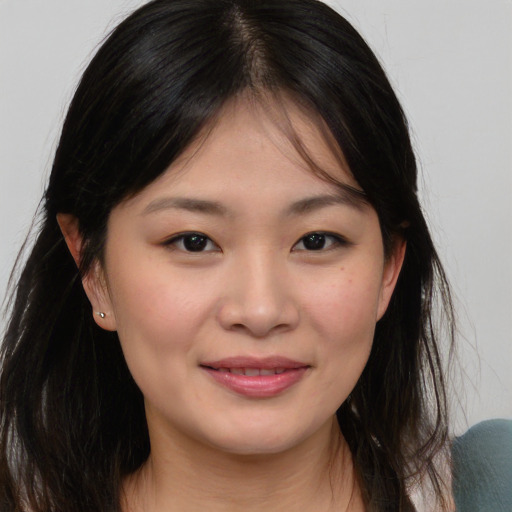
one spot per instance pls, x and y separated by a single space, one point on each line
228 305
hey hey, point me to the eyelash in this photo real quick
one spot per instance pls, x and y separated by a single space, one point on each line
178 242
336 241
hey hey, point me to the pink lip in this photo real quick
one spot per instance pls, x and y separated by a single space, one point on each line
255 362
257 386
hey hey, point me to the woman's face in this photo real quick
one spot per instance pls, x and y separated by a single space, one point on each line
244 289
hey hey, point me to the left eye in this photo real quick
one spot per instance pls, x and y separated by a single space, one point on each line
192 242
318 242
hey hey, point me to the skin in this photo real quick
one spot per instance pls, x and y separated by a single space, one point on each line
255 290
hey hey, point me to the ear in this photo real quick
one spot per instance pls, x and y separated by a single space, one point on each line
392 267
94 282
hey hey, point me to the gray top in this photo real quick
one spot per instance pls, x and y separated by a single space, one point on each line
482 468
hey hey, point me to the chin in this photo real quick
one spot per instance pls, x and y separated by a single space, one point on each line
261 439
256 447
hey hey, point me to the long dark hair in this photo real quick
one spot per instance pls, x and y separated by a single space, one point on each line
72 422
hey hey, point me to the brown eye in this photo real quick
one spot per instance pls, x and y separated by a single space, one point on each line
195 243
314 241
318 241
192 242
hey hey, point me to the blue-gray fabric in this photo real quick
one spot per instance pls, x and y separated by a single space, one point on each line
482 468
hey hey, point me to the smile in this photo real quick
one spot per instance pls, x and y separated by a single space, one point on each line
252 372
256 378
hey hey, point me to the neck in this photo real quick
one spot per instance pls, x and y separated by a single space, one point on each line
317 475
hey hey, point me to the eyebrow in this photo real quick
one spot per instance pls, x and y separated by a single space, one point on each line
185 203
347 196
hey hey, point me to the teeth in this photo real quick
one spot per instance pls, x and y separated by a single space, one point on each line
252 372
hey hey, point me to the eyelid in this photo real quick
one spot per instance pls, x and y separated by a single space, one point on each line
172 241
338 241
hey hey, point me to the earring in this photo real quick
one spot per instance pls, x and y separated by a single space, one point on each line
101 314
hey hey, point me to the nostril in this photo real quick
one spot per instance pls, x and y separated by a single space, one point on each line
259 331
258 315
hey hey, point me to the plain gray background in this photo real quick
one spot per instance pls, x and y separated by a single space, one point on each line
451 64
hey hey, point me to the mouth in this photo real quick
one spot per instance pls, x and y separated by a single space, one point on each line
254 377
271 363
250 372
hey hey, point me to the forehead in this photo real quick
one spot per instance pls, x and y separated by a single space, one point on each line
271 149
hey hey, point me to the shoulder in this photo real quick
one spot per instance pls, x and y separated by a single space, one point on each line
482 467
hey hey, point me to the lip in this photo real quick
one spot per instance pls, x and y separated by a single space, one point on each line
255 362
256 386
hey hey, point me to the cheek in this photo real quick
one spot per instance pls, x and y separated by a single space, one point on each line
344 313
157 312
159 319
345 309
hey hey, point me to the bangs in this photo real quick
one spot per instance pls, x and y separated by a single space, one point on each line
289 123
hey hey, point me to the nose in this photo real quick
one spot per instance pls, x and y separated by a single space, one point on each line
258 298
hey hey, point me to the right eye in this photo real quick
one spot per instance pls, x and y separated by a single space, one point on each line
192 242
